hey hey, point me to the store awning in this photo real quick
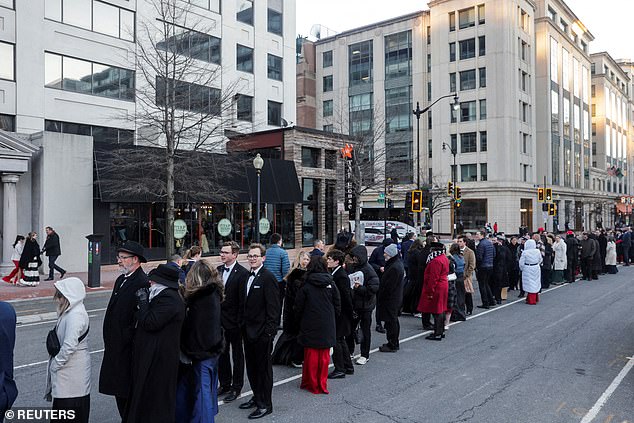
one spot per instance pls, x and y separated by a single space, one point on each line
137 175
624 208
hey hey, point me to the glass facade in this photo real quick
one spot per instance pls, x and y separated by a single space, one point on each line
192 44
398 137
275 18
245 11
93 15
71 74
361 114
360 61
100 134
186 96
310 210
398 55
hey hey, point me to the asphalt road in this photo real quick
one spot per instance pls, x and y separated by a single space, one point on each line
515 363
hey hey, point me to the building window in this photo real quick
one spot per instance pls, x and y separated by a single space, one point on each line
467 49
452 82
327 58
398 109
428 35
468 142
524 51
327 108
274 113
429 91
327 82
70 74
328 128
360 62
192 44
100 134
594 132
481 17
452 21
466 18
523 81
428 62
483 172
594 110
311 157
7 123
245 11
398 55
429 149
483 141
245 108
187 96
593 91
310 210
563 26
244 58
469 173
481 46
452 52
483 77
7 61
523 17
275 22
483 109
93 15
330 159
467 80
552 14
468 111
275 65
361 114
453 141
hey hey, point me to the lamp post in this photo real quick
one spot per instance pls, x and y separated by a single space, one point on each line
258 164
454 170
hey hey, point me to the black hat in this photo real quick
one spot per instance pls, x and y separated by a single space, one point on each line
437 246
133 248
165 275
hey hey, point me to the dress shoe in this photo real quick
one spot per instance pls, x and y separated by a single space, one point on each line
349 371
224 390
433 337
62 274
233 395
260 412
249 404
428 327
380 329
387 349
48 279
336 375
483 306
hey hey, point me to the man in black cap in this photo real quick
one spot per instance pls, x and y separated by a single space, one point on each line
119 325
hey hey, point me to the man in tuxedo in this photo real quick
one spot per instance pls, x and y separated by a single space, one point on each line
259 324
234 278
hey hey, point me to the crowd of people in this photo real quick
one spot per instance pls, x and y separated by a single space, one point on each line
178 339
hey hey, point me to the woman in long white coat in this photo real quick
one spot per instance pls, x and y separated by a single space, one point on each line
68 376
561 260
531 272
610 256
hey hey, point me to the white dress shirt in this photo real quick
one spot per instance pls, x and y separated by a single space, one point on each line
252 278
226 274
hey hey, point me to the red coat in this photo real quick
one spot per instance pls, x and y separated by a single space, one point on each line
435 286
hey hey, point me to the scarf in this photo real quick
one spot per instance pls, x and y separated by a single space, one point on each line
433 254
156 289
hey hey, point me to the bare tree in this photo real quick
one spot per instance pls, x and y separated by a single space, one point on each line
182 107
437 197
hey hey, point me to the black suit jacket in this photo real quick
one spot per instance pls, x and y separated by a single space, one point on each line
233 304
261 306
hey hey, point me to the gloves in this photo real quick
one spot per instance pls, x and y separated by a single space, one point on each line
142 297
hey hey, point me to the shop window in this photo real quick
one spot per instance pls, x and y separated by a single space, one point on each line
311 157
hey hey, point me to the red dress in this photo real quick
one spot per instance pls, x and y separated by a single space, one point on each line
435 286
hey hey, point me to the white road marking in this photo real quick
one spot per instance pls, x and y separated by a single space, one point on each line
594 411
37 363
46 318
560 320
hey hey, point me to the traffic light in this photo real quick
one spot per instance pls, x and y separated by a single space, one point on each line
389 186
417 201
549 194
458 193
458 203
540 195
450 188
408 201
551 209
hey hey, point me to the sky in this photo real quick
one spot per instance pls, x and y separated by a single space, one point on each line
607 20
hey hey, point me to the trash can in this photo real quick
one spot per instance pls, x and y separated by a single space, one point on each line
94 260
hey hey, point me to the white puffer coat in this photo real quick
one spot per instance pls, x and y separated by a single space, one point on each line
561 260
529 266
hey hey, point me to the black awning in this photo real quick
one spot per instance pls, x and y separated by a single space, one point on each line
136 174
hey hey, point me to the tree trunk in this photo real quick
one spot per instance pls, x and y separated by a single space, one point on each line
169 211
357 222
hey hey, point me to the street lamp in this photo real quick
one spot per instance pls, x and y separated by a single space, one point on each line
258 164
454 170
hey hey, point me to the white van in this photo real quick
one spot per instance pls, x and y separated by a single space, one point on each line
375 234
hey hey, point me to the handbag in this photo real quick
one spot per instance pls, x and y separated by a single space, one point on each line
358 335
53 345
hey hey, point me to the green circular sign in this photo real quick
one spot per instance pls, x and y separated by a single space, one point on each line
265 226
224 227
180 229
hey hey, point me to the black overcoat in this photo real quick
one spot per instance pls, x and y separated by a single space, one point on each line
391 289
201 336
344 320
318 304
156 359
294 282
52 246
414 287
118 335
30 253
233 304
501 265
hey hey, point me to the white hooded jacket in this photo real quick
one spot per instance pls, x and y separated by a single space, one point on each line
68 374
529 266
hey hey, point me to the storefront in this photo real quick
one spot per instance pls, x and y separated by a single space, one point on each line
202 217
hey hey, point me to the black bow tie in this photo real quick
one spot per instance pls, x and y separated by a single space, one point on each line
226 269
252 274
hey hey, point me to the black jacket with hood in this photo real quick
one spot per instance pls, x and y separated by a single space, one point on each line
317 304
364 297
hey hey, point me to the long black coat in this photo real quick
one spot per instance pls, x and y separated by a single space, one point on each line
597 264
391 289
233 304
501 265
51 246
411 295
201 336
30 253
318 303
261 307
344 320
294 282
156 359
118 335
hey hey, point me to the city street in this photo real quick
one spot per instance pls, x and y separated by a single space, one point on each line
553 362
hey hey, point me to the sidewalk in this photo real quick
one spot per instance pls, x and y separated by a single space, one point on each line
109 274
